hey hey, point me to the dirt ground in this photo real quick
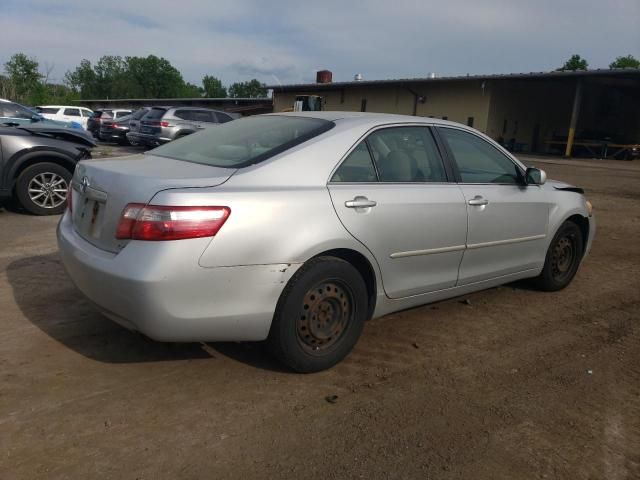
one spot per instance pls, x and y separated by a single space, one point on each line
514 384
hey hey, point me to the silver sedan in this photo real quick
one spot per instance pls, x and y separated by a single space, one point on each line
296 228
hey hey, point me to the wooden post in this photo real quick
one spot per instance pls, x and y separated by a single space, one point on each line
575 112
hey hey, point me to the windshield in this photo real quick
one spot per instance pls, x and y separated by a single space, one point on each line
245 141
13 110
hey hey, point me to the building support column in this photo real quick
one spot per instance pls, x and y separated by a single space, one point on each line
575 113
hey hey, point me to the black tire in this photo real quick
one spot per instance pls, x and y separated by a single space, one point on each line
563 258
37 177
319 316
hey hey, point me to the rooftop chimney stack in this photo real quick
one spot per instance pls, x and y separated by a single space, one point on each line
324 76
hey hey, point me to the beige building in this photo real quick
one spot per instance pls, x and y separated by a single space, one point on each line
527 112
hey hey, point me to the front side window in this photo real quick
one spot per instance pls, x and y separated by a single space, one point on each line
13 110
48 110
357 167
245 141
406 154
478 161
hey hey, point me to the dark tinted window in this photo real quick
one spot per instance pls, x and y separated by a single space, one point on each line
202 116
72 112
223 117
122 113
155 114
244 141
478 161
183 114
406 154
357 167
49 110
138 114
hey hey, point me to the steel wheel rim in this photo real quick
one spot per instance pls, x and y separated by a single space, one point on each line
563 257
48 190
324 317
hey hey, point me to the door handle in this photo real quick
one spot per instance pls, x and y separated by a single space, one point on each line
360 202
478 200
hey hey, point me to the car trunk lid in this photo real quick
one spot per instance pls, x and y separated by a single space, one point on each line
102 188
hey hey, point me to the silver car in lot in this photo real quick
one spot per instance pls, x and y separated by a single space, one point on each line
296 228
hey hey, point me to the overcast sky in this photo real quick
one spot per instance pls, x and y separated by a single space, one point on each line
285 41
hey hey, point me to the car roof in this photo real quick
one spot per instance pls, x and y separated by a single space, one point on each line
367 117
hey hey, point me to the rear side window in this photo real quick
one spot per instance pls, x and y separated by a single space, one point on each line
183 114
223 117
155 114
357 167
202 116
123 113
245 141
72 112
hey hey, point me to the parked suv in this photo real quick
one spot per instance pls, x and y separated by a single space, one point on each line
37 162
93 125
66 113
163 124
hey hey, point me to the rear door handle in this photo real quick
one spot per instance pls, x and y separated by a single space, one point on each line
478 200
360 202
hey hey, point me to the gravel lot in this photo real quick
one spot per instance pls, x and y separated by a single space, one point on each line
510 384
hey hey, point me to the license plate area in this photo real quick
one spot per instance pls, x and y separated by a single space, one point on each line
89 213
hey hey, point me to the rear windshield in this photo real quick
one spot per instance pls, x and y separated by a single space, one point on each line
138 114
155 113
245 141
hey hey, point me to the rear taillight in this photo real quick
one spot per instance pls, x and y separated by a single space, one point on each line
114 125
164 124
70 198
159 222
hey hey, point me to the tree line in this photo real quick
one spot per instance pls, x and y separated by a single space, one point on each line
112 76
26 81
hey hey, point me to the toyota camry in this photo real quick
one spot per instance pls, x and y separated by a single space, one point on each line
297 228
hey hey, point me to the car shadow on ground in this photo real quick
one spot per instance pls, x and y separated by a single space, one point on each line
49 300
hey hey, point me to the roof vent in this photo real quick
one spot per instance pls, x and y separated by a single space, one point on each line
432 75
357 77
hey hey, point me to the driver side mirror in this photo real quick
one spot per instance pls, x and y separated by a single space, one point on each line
36 118
535 176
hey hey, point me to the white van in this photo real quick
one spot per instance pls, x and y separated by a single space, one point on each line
66 113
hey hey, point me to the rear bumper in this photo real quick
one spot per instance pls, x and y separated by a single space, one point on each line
146 139
158 289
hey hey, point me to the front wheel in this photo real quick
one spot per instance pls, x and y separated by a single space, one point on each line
320 315
42 188
563 258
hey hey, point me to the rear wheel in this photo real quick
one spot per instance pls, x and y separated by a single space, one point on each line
320 315
42 188
563 258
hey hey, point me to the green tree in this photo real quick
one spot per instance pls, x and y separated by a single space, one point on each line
251 89
576 62
154 77
112 80
625 62
22 72
213 87
191 91
83 80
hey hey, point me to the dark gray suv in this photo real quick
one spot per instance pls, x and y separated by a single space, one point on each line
163 124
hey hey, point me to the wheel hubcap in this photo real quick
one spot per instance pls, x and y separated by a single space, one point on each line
326 311
48 190
564 254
